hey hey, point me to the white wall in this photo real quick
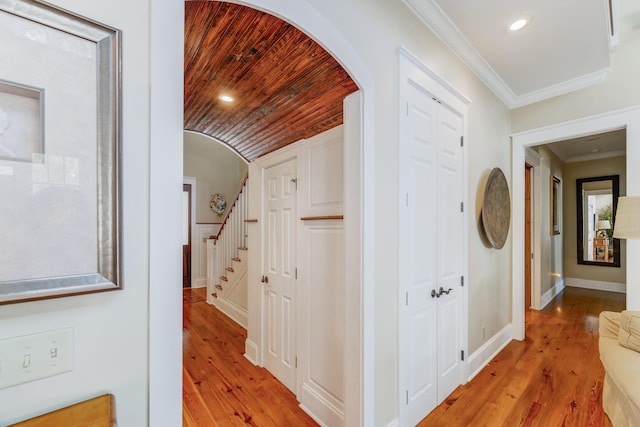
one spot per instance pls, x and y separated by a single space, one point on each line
216 168
551 246
387 25
613 102
110 329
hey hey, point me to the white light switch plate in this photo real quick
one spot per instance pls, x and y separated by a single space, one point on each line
32 357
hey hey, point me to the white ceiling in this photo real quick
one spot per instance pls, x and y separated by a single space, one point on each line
565 46
592 147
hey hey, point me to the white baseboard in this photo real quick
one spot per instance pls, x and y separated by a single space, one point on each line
596 284
481 357
251 351
236 313
394 423
200 282
322 410
551 293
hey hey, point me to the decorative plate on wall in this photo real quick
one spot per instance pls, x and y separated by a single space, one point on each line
218 204
496 209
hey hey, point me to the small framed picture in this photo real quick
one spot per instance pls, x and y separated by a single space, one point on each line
556 202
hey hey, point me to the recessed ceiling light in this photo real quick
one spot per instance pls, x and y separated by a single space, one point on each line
518 24
226 98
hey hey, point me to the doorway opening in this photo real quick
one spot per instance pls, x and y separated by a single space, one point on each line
521 142
357 362
186 235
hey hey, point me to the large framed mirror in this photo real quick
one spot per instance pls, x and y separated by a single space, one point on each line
596 203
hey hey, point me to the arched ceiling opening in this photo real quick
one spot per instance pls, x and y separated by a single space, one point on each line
285 86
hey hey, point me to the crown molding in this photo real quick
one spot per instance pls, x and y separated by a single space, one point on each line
561 88
440 24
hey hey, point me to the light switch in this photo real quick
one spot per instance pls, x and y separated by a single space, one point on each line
31 357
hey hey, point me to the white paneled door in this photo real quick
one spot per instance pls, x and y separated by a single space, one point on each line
431 252
279 272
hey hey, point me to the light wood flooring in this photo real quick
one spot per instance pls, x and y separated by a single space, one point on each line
552 378
220 387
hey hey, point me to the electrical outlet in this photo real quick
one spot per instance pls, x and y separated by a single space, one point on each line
32 357
484 332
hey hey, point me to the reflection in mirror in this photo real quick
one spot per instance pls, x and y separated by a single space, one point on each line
596 202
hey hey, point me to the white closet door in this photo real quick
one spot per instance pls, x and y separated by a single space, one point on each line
431 252
279 258
418 262
449 250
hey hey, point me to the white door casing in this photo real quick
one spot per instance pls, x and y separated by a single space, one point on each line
629 119
432 247
532 158
279 264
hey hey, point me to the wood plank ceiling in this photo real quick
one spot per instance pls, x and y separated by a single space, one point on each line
285 86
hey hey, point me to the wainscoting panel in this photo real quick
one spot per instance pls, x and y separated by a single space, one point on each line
200 235
323 174
321 327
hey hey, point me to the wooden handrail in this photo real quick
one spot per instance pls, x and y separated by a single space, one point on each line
320 218
226 217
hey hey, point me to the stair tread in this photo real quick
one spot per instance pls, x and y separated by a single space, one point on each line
224 278
242 248
219 287
236 259
215 295
230 269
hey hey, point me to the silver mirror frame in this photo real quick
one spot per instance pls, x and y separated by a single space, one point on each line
108 144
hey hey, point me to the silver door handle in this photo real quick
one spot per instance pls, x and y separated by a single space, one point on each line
264 279
442 291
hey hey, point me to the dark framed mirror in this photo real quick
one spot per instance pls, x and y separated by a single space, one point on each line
596 204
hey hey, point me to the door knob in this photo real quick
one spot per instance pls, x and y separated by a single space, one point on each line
264 279
442 291
434 294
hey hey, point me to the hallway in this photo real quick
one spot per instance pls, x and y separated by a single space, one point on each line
552 378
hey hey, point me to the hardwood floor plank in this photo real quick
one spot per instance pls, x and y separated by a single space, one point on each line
552 378
220 386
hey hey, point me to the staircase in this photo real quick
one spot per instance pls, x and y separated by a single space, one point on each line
229 290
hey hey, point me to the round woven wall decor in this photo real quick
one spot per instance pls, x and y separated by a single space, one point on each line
496 209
